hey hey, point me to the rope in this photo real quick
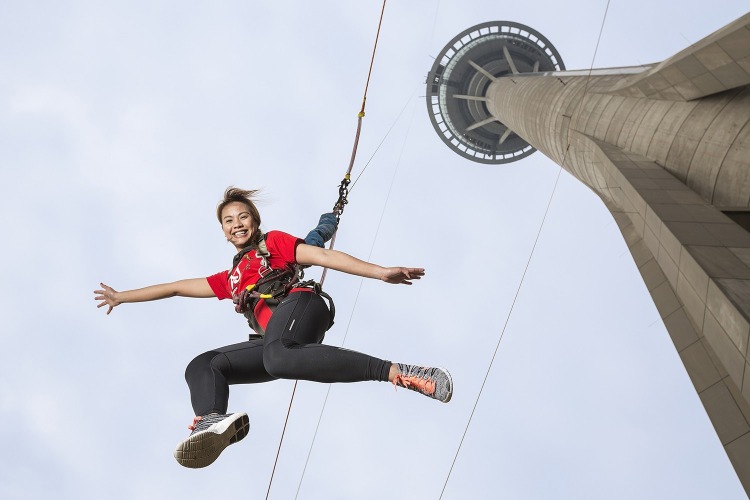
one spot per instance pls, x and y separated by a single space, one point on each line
372 61
406 104
343 190
528 262
359 290
268 491
502 333
338 208
588 77
377 231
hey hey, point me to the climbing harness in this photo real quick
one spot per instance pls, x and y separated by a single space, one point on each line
258 301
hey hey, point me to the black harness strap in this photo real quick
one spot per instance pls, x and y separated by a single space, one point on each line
273 288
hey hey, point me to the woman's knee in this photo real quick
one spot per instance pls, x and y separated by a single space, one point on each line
202 363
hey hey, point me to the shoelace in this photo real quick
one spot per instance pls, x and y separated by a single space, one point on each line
206 421
195 422
423 385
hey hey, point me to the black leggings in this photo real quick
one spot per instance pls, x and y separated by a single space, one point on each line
291 349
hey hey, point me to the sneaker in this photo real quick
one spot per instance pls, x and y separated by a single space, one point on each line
211 434
435 383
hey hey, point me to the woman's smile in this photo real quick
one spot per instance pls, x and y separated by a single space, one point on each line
237 224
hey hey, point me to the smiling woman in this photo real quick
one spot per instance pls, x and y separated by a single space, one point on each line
289 319
239 217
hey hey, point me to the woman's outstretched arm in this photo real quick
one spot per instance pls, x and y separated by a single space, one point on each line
195 287
333 259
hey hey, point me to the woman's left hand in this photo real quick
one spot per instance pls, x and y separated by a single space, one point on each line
107 297
401 275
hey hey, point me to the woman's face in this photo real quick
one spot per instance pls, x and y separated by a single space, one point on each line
237 223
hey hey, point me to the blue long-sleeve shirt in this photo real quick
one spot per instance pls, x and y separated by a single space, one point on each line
323 232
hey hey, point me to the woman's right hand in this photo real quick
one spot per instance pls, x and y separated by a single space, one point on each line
107 297
401 275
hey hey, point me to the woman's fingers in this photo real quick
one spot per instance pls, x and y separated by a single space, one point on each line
403 275
105 297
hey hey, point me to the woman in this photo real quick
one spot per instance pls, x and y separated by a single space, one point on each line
290 320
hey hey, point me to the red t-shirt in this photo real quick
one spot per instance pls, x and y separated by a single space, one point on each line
228 284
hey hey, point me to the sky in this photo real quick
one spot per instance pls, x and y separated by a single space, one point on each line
121 123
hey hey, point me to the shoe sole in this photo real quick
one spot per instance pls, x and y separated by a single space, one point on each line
203 448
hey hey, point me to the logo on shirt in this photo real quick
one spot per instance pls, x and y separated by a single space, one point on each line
234 280
235 277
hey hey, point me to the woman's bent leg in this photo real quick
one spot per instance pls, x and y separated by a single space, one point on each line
293 350
209 375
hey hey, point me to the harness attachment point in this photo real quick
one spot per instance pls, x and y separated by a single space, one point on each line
338 208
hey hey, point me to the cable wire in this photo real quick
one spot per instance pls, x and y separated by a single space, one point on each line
528 262
359 289
360 115
502 333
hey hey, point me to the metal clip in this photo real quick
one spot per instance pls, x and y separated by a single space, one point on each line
338 208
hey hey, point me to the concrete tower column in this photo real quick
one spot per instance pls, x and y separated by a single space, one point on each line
667 149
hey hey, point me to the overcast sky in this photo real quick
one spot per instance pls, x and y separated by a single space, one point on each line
121 123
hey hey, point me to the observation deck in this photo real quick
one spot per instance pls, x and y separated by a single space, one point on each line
463 71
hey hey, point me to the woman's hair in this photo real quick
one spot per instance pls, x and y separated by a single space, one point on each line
245 196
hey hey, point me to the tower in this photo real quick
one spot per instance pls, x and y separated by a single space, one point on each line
667 149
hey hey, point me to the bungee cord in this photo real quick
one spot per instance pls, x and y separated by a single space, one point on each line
338 210
393 125
372 246
361 282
